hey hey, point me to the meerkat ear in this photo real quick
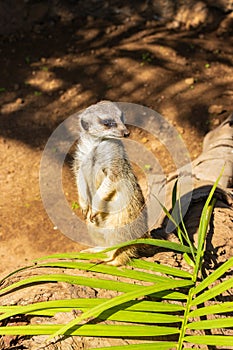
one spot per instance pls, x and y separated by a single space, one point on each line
84 125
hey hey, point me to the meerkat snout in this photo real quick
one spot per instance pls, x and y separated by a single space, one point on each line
126 133
123 129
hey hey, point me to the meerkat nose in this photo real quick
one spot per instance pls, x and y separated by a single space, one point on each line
126 133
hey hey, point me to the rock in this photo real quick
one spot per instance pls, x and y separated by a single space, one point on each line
215 109
19 101
189 81
144 140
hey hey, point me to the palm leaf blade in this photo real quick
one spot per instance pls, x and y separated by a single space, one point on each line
210 340
143 311
96 330
210 324
213 309
156 242
214 276
106 269
172 271
138 317
213 292
98 283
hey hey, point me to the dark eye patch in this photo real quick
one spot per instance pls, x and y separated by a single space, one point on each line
109 123
85 125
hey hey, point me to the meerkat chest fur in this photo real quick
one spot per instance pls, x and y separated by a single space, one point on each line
100 159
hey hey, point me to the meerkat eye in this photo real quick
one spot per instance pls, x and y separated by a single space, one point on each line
109 123
85 125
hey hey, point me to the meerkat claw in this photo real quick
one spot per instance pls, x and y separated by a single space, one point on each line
93 217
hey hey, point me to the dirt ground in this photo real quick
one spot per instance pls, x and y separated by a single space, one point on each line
60 67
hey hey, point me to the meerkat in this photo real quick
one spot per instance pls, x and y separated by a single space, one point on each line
110 197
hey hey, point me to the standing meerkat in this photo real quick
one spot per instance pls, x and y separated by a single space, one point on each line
109 195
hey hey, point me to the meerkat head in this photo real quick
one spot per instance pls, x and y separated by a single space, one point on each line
104 120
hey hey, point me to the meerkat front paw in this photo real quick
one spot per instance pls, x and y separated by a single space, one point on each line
93 215
88 215
84 213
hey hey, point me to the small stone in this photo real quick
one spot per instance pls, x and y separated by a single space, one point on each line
144 140
189 81
215 109
216 122
19 101
181 130
108 30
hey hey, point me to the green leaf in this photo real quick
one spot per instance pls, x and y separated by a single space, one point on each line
176 213
188 260
171 218
50 308
85 281
156 242
213 292
210 324
115 314
152 266
203 226
110 270
213 309
214 276
202 232
186 236
152 306
169 295
217 340
102 255
47 306
90 330
204 217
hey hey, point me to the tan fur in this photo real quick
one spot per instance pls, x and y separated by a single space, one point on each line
109 194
